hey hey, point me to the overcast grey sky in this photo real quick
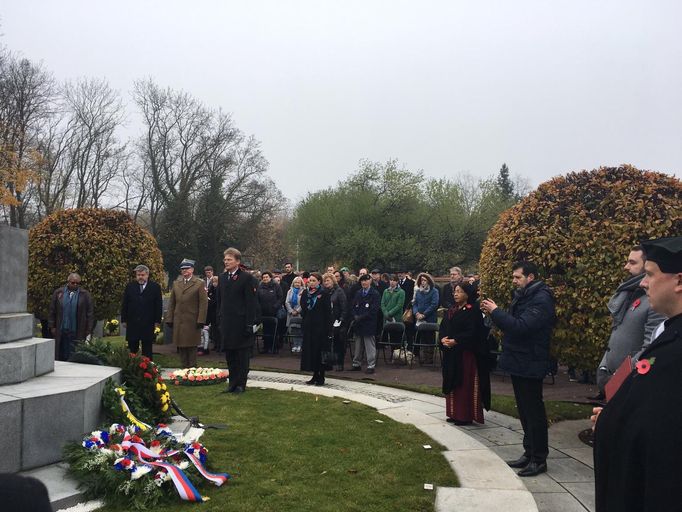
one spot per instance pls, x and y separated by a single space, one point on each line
443 86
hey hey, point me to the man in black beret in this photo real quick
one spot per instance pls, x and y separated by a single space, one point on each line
637 450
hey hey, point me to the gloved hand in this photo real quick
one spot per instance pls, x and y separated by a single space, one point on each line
248 330
200 325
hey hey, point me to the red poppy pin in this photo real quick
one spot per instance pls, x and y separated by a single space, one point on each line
636 304
468 306
644 365
234 277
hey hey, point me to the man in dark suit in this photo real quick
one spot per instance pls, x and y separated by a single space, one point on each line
446 297
407 285
141 311
236 307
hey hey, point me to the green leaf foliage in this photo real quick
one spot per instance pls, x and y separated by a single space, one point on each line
103 246
395 219
579 229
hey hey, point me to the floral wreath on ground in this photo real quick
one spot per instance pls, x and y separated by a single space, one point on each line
128 466
143 391
198 376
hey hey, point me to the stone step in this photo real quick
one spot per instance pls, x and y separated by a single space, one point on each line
38 416
61 488
24 359
15 326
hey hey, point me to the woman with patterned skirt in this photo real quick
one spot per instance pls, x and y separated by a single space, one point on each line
461 339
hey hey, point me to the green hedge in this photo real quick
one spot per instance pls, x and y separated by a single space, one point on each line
103 246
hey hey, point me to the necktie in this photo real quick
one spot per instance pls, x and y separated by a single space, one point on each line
141 288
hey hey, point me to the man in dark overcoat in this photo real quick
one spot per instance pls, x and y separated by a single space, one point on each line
236 308
637 448
141 311
365 308
71 317
527 328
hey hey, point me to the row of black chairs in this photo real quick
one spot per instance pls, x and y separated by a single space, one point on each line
393 337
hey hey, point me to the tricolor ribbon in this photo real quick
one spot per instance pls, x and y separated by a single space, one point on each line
183 485
217 478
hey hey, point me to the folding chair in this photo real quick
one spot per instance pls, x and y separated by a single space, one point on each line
426 337
392 336
295 330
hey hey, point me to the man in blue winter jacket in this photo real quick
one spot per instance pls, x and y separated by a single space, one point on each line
527 329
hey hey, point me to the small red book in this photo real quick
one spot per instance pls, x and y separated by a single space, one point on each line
618 378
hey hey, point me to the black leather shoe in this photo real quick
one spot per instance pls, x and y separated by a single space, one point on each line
319 382
533 469
311 381
356 368
521 462
237 390
228 389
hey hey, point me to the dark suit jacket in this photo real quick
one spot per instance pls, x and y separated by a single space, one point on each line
141 311
236 308
408 286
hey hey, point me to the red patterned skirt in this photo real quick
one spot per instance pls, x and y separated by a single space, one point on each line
464 402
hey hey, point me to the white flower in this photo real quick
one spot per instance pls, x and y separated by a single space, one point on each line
140 471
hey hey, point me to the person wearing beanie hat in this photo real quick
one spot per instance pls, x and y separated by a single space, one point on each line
637 451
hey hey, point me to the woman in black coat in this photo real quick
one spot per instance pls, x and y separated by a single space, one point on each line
317 328
460 338
339 317
270 299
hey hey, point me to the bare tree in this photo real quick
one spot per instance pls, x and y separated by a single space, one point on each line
26 97
94 154
184 141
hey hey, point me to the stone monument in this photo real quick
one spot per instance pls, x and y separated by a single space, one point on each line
43 403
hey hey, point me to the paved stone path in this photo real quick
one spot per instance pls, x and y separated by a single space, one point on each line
474 452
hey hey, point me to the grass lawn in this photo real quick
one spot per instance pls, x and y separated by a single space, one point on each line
556 410
291 451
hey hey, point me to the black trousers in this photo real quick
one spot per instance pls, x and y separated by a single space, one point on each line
238 366
528 395
147 350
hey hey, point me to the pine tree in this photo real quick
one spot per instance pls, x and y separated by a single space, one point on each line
505 184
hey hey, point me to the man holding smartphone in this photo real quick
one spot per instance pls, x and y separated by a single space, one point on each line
527 328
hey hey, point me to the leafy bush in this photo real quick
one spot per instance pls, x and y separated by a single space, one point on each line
103 246
579 228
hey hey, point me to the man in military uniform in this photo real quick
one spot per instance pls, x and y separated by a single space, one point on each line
186 313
